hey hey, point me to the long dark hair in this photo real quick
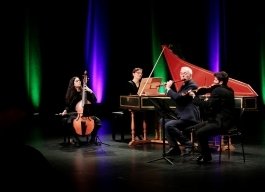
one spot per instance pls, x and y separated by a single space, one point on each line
71 90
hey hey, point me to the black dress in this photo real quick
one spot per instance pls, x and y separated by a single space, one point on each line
70 107
138 115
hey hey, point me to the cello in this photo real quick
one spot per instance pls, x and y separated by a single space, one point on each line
83 124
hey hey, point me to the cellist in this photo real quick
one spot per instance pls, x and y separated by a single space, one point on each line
73 97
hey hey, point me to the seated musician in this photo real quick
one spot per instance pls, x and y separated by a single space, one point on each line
187 114
72 100
219 108
132 89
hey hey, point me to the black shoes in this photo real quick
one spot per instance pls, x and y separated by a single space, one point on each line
93 141
187 149
75 142
173 151
176 150
204 159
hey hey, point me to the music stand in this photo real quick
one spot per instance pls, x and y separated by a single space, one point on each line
165 112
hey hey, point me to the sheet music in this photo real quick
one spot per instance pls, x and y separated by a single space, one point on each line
150 86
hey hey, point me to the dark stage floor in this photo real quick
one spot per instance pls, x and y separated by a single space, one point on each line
119 167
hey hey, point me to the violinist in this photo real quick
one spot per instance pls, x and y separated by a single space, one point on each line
72 97
220 112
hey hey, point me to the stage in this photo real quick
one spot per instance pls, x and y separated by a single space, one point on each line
119 167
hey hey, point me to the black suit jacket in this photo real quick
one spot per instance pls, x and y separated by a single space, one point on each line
219 107
185 108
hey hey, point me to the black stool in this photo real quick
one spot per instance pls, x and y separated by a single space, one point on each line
118 123
192 130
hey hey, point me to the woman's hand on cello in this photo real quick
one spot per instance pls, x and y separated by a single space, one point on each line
88 89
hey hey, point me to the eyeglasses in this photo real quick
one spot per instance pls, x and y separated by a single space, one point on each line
183 73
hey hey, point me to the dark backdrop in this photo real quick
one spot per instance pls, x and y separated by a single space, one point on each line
183 24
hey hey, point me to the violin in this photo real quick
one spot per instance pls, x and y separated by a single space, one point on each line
205 89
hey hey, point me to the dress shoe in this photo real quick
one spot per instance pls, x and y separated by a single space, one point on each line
204 159
77 144
93 141
173 151
188 149
72 141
